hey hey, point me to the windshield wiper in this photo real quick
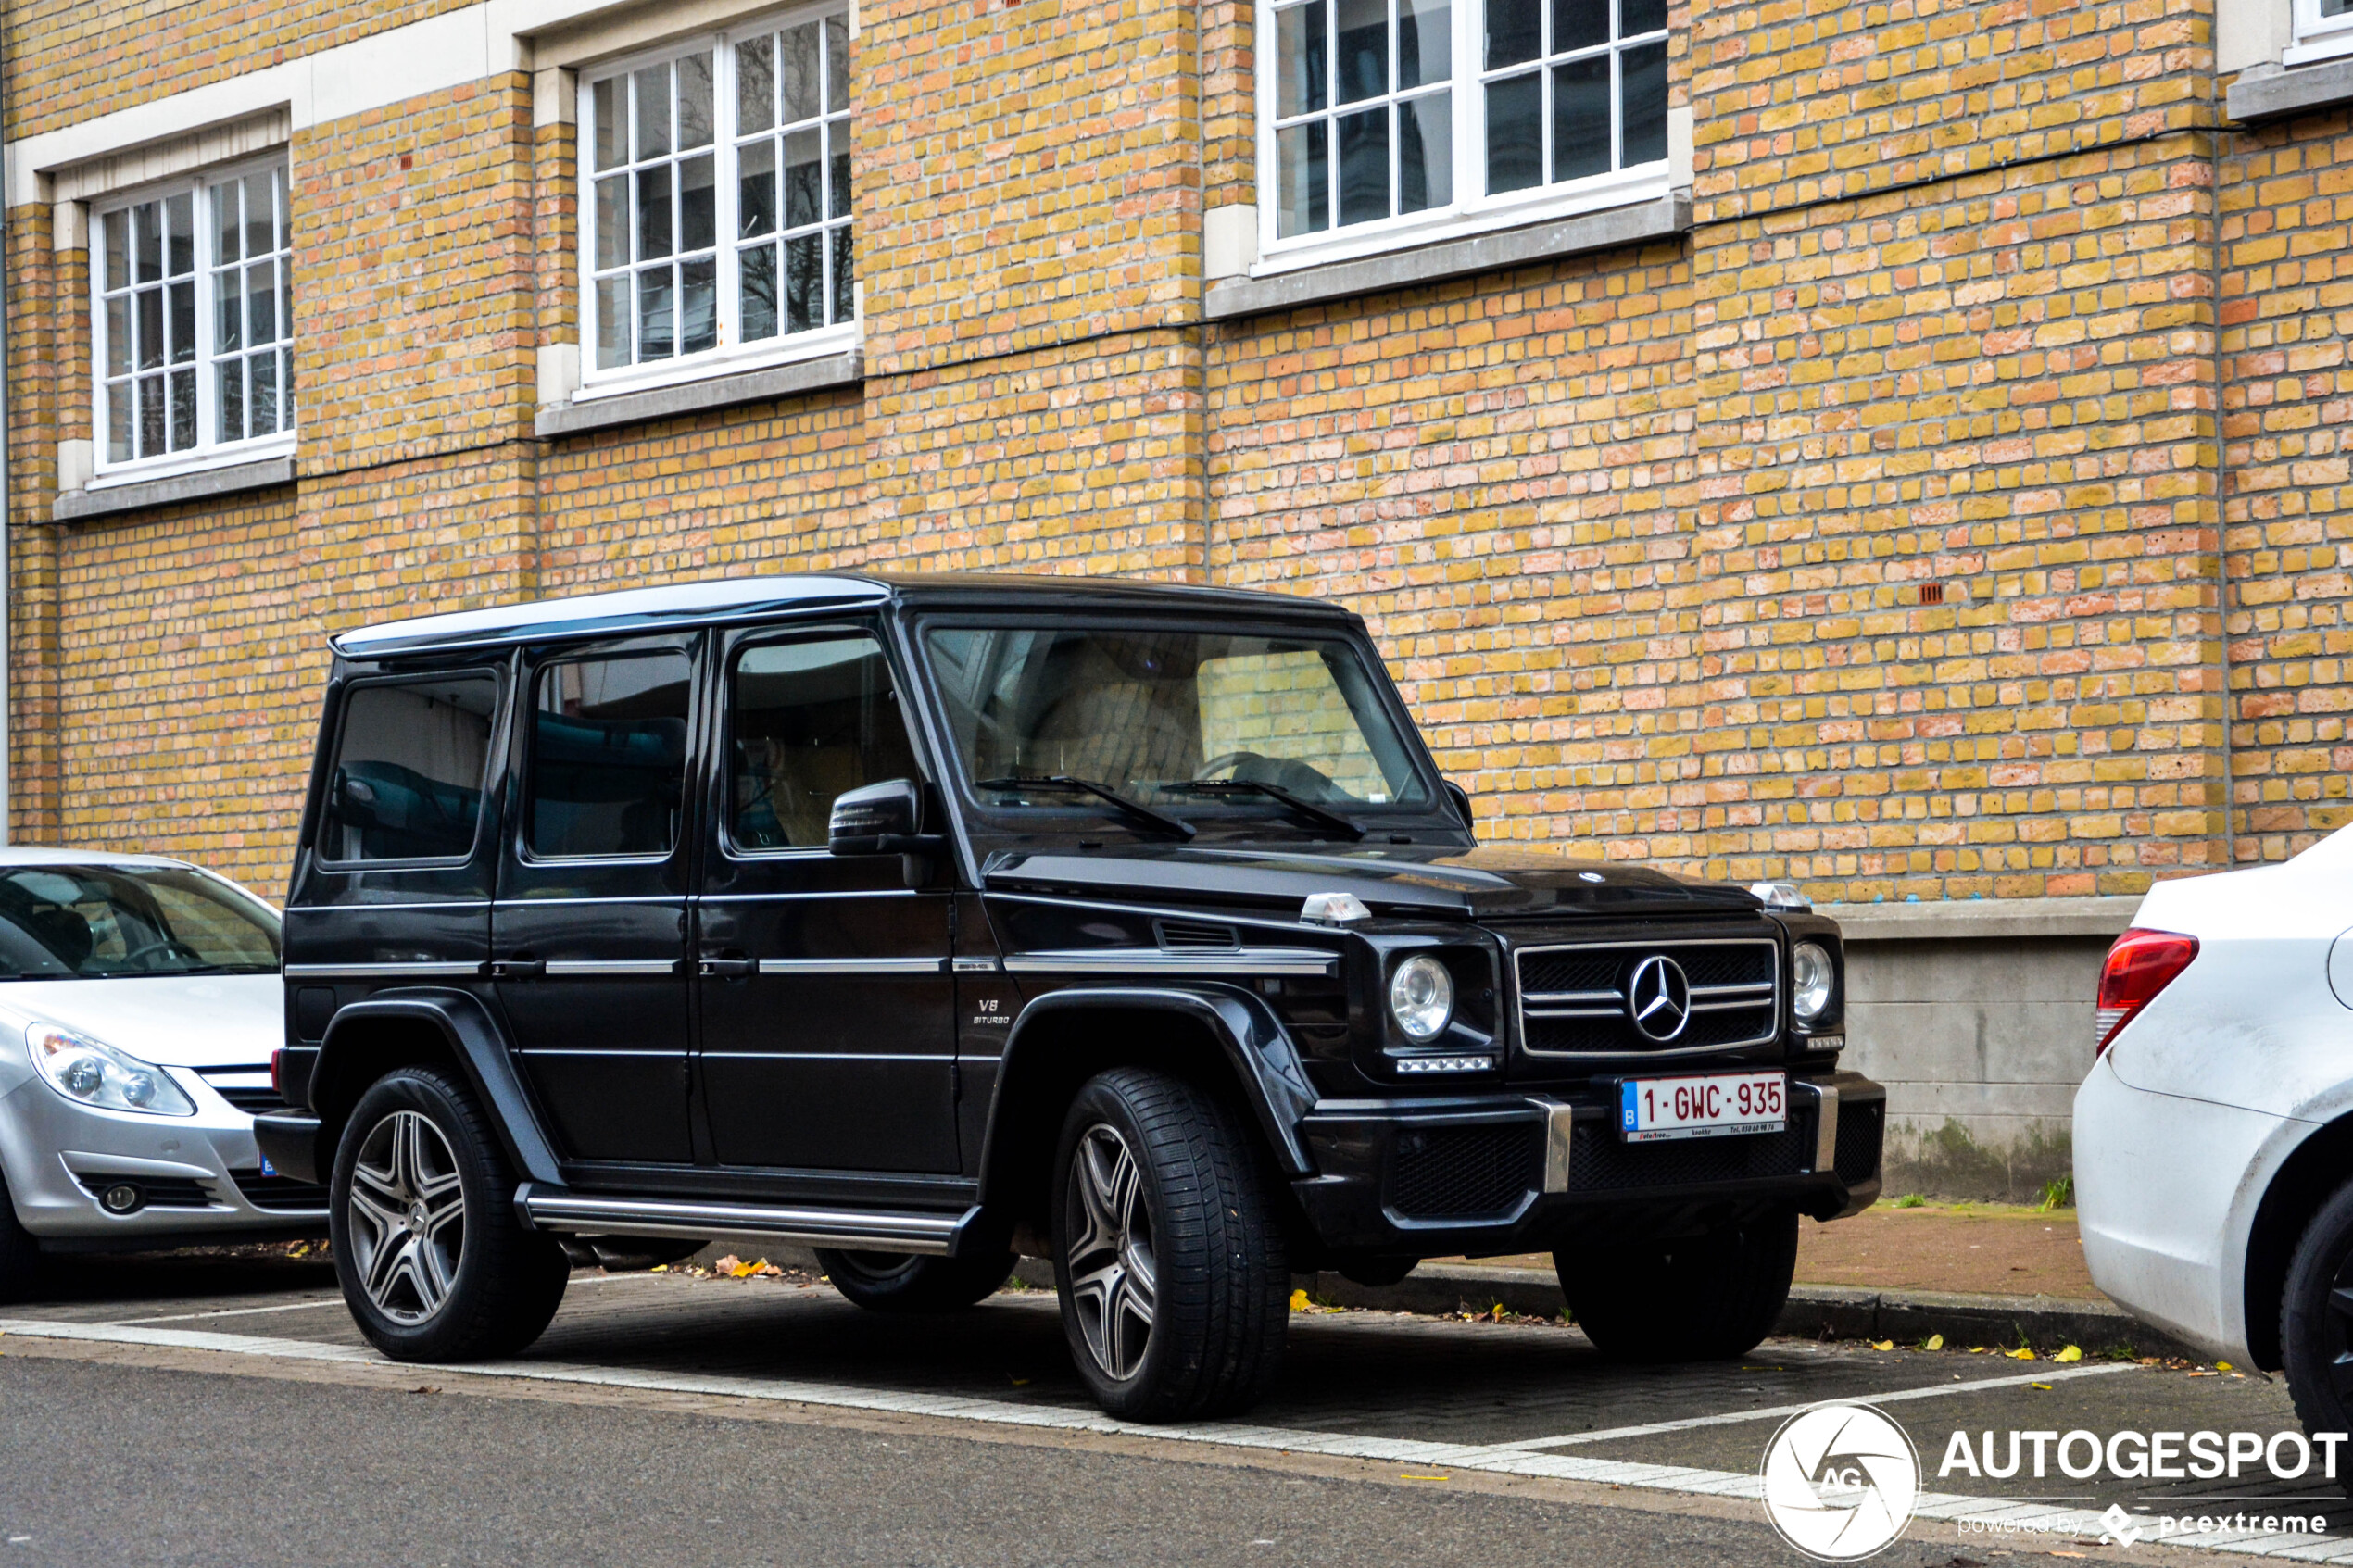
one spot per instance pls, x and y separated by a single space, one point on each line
1134 811
1300 804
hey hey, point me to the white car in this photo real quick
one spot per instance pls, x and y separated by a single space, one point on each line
140 1000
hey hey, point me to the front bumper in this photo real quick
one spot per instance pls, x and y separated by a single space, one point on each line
197 1178
1501 1174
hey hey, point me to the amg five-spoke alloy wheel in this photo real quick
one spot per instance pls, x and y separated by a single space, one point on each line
2316 1319
1170 1265
433 1264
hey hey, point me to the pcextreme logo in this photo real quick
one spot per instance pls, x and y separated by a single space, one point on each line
1839 1481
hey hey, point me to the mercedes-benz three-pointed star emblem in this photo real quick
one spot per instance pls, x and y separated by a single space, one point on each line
1659 998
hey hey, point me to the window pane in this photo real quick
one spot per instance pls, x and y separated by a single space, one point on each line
1363 54
285 389
150 329
184 322
837 187
285 210
150 242
1580 23
286 302
1425 42
1364 165
654 324
607 757
228 311
180 253
613 222
612 140
1299 70
697 215
804 284
612 323
756 189
229 398
1642 79
117 227
407 778
694 101
262 381
257 215
1515 32
697 306
1516 134
809 722
1300 179
119 336
150 416
845 277
261 297
653 111
225 223
654 213
183 409
837 63
119 399
804 176
797 73
1580 117
1425 153
755 85
1638 16
756 268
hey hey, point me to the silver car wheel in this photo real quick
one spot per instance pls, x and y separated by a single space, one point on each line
1114 1277
407 1215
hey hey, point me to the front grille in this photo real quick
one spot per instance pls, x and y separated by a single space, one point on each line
1464 1172
279 1192
156 1192
252 1102
1573 1000
1599 1163
1859 1129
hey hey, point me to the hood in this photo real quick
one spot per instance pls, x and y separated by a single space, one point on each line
1399 880
177 1020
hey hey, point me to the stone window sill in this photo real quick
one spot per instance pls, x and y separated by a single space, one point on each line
77 506
556 420
2271 93
1607 229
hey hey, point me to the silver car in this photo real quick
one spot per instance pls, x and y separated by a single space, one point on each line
140 1001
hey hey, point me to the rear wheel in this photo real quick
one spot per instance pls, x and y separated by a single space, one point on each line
1174 1291
19 1254
434 1263
2316 1321
902 1282
1694 1298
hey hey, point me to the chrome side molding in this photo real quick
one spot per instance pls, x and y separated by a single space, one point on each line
419 970
865 1229
852 966
1160 961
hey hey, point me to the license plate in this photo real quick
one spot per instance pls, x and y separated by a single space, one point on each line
268 1168
1652 1109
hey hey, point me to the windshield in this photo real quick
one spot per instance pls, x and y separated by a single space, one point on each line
1188 723
60 923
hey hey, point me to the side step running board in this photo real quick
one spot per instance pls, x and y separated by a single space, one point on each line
865 1229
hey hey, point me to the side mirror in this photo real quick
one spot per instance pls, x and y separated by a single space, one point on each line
880 819
1461 797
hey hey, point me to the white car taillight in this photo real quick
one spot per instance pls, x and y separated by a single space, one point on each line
2139 965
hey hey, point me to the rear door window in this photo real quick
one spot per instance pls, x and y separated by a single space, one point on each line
609 756
409 772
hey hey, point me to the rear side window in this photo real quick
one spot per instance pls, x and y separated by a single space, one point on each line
609 756
408 777
810 720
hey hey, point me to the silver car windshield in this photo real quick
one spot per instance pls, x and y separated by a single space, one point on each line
86 922
1188 723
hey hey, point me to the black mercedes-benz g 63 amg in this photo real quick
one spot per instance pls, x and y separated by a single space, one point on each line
935 921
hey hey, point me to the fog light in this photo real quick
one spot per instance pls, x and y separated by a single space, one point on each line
121 1198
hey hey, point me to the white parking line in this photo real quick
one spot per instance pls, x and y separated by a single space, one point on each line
228 1313
1935 1391
1501 1459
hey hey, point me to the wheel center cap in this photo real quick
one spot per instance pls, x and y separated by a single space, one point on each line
417 1218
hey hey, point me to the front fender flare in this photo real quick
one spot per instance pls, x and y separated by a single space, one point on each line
474 1037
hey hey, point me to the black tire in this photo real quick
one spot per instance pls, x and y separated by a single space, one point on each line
1207 1249
2315 1327
1696 1298
19 1254
626 1254
488 1293
902 1282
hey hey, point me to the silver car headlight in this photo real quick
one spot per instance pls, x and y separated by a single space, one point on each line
1816 978
91 1073
1421 996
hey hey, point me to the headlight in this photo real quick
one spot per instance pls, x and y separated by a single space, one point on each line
1421 996
1815 977
88 1072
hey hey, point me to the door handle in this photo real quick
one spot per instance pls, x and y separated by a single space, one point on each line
521 967
729 967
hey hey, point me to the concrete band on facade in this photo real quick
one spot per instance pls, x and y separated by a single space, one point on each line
1940 500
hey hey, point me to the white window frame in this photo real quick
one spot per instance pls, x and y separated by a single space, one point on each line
207 453
2318 37
732 355
1472 210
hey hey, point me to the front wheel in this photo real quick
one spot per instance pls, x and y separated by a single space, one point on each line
902 1282
19 1254
1168 1261
2316 1321
434 1263
1702 1298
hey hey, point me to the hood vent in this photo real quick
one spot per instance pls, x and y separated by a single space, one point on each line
1197 936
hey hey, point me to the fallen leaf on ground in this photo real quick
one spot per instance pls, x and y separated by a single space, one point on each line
1933 1342
726 1265
2020 1354
2073 1353
1298 1300
1882 1344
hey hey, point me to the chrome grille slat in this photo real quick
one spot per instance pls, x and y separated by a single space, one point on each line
1576 1023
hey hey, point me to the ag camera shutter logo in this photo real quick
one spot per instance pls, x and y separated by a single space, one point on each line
1841 1482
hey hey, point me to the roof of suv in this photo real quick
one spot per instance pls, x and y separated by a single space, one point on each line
739 597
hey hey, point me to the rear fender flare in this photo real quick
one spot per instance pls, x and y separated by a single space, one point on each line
472 1035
